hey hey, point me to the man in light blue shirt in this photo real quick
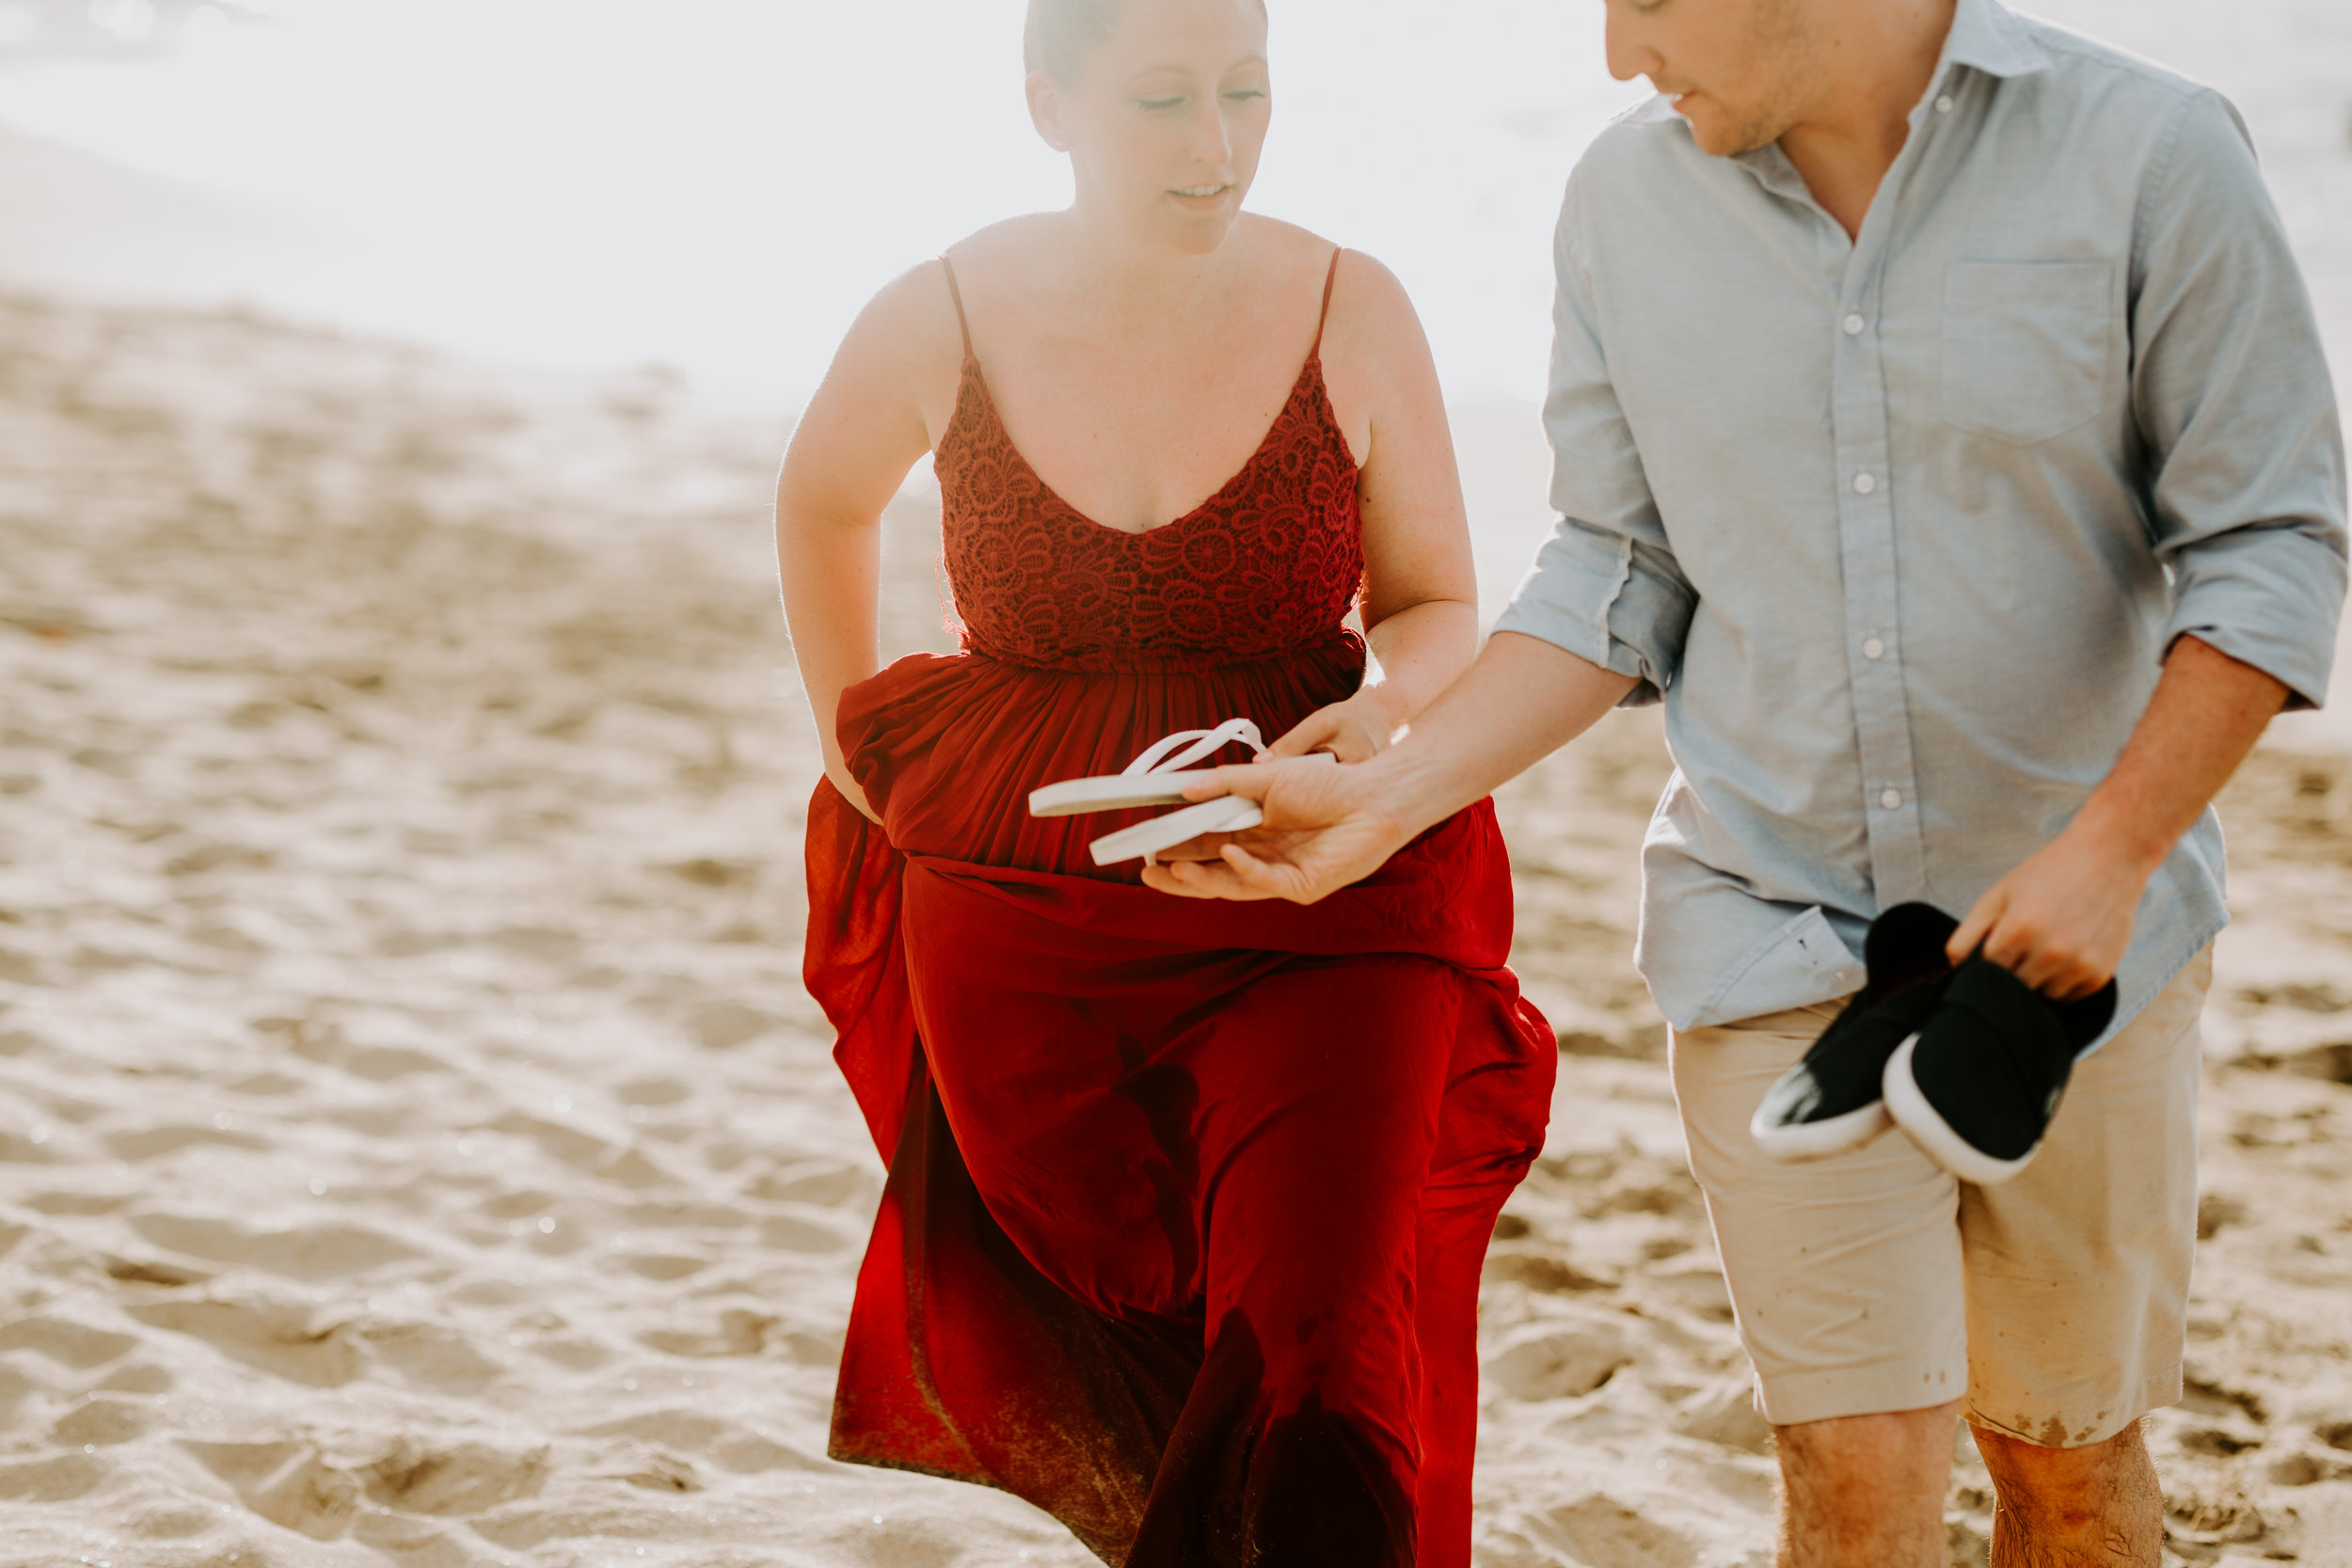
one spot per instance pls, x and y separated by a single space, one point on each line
1942 436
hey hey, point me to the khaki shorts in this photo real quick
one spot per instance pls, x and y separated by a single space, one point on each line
2055 1305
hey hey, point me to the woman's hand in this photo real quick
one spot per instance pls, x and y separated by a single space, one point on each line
850 792
1356 730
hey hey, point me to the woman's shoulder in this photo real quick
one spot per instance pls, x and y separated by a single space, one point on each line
1370 316
1363 291
914 323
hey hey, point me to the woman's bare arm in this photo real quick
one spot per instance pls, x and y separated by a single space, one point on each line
860 435
1420 601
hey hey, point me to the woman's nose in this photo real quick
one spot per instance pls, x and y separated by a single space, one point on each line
1212 141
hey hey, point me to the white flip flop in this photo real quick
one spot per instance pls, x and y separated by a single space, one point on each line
1157 778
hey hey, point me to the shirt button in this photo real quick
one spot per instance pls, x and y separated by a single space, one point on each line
1864 485
1854 325
1891 799
1944 105
1875 649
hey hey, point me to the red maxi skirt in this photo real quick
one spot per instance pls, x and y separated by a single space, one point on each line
1186 1200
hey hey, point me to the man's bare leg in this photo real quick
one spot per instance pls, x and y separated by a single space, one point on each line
2099 1507
1866 1491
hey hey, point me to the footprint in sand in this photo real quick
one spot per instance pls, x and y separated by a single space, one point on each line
1550 1359
328 1251
307 1495
152 1142
811 1231
101 1422
895 1543
72 1202
654 1093
464 1479
1603 1532
385 1063
651 1469
827 1184
61 1477
430 1355
69 1343
726 1444
723 1026
15 1389
285 1338
738 1333
1726 1414
140 1377
584 1151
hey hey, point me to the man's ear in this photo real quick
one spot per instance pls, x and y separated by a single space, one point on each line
1045 111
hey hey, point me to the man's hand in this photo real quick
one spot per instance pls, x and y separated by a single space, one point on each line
2062 921
1325 829
1328 828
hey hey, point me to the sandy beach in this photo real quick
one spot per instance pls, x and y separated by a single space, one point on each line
416 1146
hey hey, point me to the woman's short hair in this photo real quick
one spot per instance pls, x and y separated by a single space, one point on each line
1061 34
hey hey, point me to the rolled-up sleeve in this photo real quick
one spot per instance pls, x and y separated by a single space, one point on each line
1605 586
2232 394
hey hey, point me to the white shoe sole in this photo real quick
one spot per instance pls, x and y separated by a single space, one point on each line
1924 1127
1227 813
1794 1142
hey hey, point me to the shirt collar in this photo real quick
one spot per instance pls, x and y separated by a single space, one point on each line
1985 36
1988 37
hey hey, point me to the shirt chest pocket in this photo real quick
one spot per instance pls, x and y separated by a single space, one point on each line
2027 346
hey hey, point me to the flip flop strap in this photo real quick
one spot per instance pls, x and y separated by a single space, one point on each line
1191 746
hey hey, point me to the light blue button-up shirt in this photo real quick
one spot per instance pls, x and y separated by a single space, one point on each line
1900 527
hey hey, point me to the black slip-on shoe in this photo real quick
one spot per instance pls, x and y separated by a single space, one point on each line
1834 1099
1976 1088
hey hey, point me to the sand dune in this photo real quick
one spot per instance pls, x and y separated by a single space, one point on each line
84 225
416 1146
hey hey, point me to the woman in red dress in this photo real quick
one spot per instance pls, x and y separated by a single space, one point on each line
1186 1201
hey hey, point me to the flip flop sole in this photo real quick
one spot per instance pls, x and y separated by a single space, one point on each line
1225 815
1926 1127
1114 792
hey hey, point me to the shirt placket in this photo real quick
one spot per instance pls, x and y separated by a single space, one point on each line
1866 522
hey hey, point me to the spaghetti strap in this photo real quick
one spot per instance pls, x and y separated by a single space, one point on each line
957 294
1329 279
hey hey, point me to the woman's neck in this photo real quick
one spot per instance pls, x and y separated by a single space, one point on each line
1110 276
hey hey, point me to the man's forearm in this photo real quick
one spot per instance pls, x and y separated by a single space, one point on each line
2062 921
2208 711
1521 700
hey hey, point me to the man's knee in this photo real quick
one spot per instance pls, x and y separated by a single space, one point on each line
2062 1483
1901 1438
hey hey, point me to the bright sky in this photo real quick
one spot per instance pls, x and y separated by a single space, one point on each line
721 184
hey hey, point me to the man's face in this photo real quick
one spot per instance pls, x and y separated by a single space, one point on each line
1739 71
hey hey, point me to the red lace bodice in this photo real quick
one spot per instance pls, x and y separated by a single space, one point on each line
1269 565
